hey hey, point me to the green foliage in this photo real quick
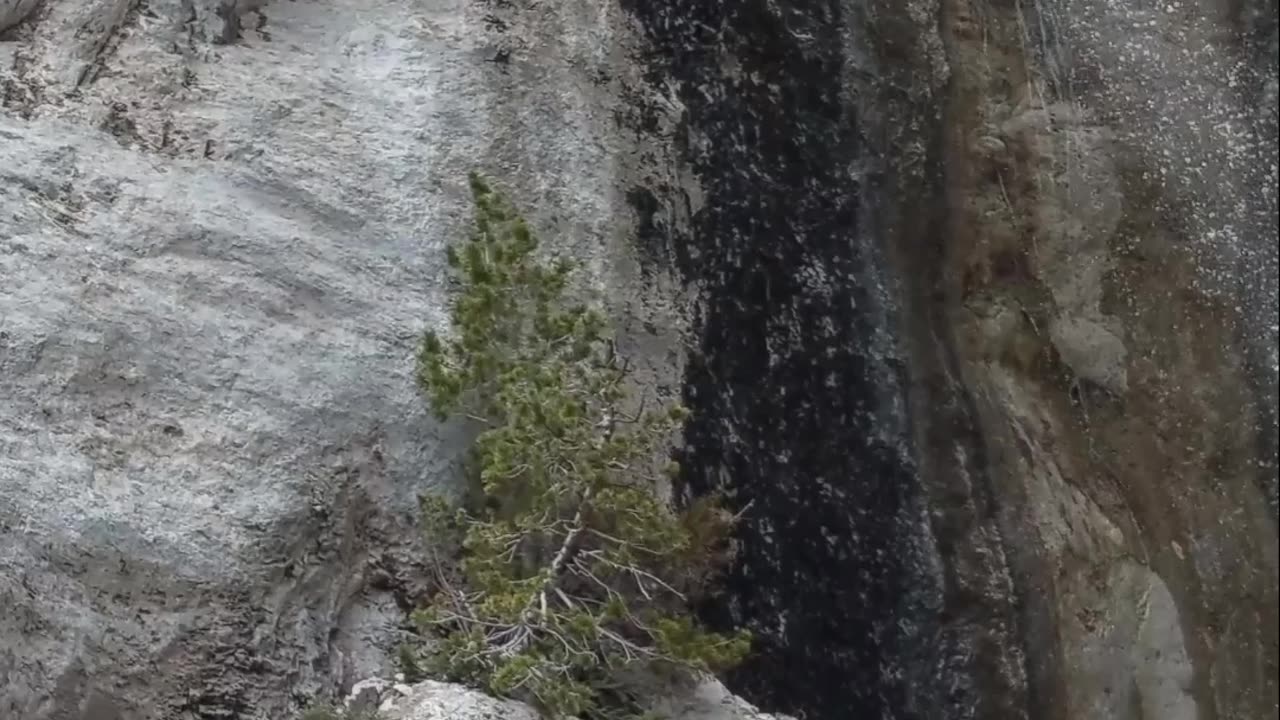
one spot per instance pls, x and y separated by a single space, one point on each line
573 572
410 667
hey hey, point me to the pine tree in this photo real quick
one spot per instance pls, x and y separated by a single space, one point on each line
573 572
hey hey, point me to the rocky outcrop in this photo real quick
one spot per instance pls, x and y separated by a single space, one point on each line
431 700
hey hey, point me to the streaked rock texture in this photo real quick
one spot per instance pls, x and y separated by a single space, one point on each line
217 248
1091 305
988 336
978 303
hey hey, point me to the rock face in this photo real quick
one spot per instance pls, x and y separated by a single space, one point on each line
13 12
973 302
220 236
988 337
1105 322
797 388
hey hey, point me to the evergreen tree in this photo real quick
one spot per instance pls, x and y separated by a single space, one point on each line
573 572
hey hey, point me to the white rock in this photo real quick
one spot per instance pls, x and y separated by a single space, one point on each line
367 693
431 700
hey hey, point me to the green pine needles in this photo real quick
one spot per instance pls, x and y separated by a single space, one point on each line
573 571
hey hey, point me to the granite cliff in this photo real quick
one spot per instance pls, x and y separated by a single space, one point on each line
974 302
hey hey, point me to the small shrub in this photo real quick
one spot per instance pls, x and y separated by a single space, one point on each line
407 659
573 572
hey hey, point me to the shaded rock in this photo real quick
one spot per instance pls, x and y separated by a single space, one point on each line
1094 349
13 12
710 700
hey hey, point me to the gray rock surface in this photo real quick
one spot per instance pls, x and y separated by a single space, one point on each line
1104 322
217 248
431 700
13 12
1034 450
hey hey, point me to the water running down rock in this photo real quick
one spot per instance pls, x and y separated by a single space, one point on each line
976 301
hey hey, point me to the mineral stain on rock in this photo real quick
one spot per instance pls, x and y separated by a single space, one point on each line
795 408
983 319
1077 371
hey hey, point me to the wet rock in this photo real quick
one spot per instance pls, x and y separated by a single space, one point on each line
1099 328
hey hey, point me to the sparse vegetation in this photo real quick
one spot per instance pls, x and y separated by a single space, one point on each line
573 572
